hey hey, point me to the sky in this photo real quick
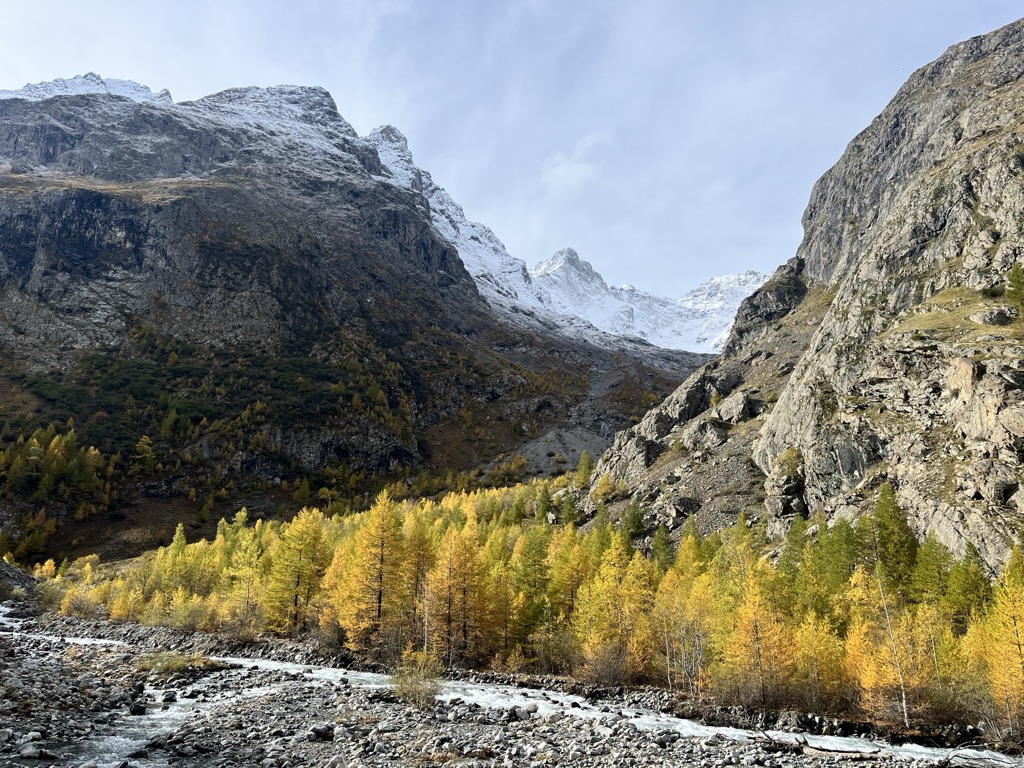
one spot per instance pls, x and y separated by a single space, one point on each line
667 141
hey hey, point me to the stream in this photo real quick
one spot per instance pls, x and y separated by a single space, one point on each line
123 739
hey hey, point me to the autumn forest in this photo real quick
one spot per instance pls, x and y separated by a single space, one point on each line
856 620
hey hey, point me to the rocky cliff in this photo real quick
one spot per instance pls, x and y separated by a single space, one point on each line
241 281
884 350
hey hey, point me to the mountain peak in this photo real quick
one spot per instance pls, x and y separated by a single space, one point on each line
297 104
89 83
569 262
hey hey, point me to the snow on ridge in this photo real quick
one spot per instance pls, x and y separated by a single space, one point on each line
501 279
298 108
698 322
89 83
565 292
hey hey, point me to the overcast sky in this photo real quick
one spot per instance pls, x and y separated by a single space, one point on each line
667 141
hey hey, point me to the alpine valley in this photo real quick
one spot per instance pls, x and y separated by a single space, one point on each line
238 308
226 301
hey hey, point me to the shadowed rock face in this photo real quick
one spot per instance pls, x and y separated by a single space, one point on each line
894 374
239 276
247 216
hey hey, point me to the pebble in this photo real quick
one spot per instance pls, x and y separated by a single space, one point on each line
70 691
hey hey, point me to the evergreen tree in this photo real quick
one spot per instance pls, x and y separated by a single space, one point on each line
970 590
929 581
633 520
584 469
663 552
888 544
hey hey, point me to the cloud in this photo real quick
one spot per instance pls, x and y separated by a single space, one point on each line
564 174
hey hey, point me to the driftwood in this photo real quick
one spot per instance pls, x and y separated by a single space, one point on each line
800 747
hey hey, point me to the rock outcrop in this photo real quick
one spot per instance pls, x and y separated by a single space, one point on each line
240 280
883 350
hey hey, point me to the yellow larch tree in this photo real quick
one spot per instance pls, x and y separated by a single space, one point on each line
757 654
611 618
682 619
455 605
367 581
298 561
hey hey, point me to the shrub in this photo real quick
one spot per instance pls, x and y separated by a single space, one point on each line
416 680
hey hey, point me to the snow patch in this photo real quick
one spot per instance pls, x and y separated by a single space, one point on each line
88 83
565 293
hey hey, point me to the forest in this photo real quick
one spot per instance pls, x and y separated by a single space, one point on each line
844 619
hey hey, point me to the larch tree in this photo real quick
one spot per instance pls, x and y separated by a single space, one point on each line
818 674
455 604
1004 651
757 653
611 618
682 619
297 566
368 585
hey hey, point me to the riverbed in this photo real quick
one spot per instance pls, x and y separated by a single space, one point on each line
266 712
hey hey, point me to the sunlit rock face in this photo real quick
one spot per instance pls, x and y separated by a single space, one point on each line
883 350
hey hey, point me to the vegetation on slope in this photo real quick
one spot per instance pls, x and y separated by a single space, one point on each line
845 619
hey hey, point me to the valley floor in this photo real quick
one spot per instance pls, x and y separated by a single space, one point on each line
68 702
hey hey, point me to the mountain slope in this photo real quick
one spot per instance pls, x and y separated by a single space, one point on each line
234 304
699 321
883 350
564 294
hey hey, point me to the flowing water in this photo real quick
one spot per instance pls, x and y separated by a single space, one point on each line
133 733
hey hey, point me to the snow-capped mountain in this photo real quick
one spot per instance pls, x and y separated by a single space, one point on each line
86 84
563 294
699 321
565 291
503 280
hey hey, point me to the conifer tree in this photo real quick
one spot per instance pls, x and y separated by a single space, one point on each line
246 578
818 675
567 571
970 590
611 615
682 619
663 552
929 581
584 469
297 566
455 603
1004 646
888 544
368 579
757 652
530 575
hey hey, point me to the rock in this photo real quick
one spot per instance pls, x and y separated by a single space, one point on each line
323 732
994 316
873 349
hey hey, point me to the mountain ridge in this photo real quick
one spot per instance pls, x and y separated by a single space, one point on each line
236 280
883 351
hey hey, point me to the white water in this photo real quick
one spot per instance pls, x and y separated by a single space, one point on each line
490 696
133 733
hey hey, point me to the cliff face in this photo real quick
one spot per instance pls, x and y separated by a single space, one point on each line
239 280
883 350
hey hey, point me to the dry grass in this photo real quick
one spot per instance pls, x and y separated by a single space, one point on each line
148 191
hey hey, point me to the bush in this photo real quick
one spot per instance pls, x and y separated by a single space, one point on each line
416 681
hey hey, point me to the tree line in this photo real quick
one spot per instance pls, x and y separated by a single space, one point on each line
845 619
